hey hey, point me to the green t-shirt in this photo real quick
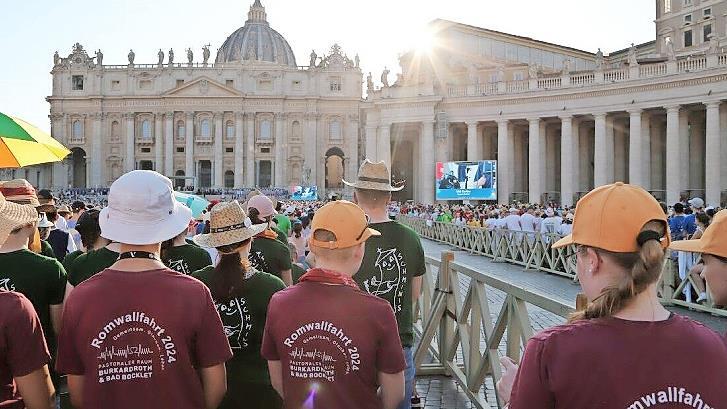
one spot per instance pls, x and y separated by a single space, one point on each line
70 257
297 272
390 262
283 222
46 249
186 258
87 265
243 318
270 256
282 237
41 279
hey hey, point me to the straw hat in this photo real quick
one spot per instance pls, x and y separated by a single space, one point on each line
228 225
374 176
19 191
13 215
64 209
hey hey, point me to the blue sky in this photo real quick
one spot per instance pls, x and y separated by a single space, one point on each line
378 30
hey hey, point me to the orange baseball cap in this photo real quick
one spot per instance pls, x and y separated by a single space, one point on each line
713 241
610 217
346 221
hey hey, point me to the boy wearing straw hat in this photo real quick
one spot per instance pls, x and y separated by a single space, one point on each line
393 263
139 335
330 345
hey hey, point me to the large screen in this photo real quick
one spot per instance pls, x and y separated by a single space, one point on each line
304 193
466 180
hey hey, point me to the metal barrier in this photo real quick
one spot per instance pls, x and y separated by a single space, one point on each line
533 251
452 320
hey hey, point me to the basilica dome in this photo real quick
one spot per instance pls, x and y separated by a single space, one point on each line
256 41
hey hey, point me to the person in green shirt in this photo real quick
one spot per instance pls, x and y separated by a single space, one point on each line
100 253
268 253
283 221
41 279
393 263
241 295
183 257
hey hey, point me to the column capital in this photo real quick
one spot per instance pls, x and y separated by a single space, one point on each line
635 111
712 104
673 108
280 116
189 115
248 115
565 117
218 116
597 115
427 121
534 120
502 121
129 115
169 114
239 115
385 125
474 122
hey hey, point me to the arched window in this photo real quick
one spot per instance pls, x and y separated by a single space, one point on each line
265 130
181 130
77 134
230 129
296 130
334 130
205 128
145 129
115 134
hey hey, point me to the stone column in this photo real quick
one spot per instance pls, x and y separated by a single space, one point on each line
310 149
505 169
250 149
646 123
189 168
697 151
567 161
636 158
95 175
672 155
129 161
239 151
712 176
536 168
426 161
169 144
352 151
280 151
473 146
384 144
683 150
219 173
601 156
159 143
60 171
371 140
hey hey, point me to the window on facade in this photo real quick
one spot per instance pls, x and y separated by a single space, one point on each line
688 38
687 18
181 130
229 150
518 76
204 128
296 84
334 130
707 32
335 84
115 85
146 129
687 3
667 6
230 83
707 13
230 129
145 84
296 130
180 149
77 131
180 83
264 150
145 150
115 134
77 83
265 130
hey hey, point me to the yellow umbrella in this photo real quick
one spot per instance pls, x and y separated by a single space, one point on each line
22 144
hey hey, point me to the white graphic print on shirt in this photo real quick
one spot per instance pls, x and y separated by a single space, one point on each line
6 285
257 261
321 351
236 321
180 266
391 279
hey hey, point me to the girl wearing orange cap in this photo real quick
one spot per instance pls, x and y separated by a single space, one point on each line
713 246
624 340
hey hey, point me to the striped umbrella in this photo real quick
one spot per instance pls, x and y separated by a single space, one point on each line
22 144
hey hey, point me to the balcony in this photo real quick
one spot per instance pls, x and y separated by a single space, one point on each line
144 141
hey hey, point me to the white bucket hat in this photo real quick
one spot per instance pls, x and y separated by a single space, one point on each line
44 222
228 225
142 210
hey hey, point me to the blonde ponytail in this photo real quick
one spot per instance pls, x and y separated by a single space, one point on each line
642 269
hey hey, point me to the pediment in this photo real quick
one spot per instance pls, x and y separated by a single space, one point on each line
202 87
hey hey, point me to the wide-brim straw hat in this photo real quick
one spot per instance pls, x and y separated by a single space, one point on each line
19 191
374 176
228 225
13 215
64 209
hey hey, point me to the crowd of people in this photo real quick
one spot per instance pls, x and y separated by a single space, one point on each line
261 303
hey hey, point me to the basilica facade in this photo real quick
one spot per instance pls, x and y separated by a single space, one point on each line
250 117
559 121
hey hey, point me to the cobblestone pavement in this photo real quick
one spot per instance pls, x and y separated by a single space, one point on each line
442 392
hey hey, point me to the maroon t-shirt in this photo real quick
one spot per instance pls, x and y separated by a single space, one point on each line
331 341
611 363
138 337
22 346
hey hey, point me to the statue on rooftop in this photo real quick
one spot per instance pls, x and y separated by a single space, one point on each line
99 57
599 59
385 77
160 57
171 57
131 56
313 59
205 54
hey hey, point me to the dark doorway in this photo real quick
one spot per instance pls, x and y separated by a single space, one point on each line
78 168
205 174
264 173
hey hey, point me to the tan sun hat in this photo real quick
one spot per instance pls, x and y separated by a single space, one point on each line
374 176
19 191
228 225
713 241
64 209
13 215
